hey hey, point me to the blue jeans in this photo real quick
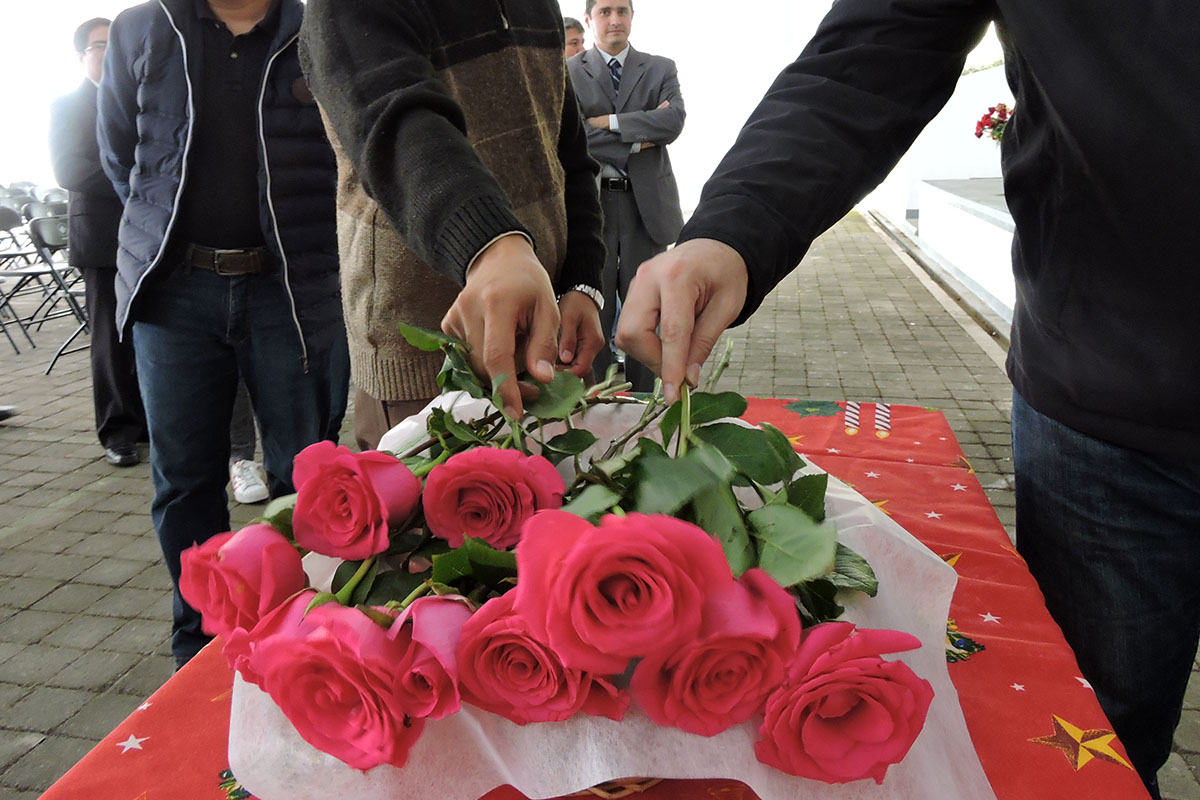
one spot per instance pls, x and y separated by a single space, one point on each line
194 333
1113 538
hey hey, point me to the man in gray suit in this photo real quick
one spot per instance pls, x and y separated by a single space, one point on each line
633 108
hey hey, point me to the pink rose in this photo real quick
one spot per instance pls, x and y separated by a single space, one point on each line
428 633
349 686
631 587
488 494
747 638
346 501
332 674
235 578
844 713
505 669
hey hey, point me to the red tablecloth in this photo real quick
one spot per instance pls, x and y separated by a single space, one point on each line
1034 721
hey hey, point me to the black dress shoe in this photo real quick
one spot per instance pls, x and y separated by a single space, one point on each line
7 411
121 455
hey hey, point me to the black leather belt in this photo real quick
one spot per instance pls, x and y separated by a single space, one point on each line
616 184
250 261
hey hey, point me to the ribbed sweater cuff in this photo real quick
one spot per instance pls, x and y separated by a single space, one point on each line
477 221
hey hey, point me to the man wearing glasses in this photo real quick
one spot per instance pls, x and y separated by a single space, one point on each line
95 214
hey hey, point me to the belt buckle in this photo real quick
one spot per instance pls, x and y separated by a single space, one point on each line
616 184
238 257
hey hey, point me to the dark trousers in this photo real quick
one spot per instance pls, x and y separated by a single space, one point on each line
1113 538
120 418
628 245
195 332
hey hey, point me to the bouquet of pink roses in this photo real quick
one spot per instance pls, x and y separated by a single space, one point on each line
473 572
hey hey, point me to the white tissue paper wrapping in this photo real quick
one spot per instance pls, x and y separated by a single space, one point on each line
472 752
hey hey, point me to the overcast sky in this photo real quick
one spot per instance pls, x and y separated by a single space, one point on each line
754 40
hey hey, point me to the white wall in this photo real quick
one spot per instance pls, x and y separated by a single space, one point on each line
947 148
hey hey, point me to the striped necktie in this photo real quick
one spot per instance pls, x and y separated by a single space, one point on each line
614 68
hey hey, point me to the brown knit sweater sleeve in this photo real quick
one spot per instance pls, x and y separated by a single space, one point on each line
370 65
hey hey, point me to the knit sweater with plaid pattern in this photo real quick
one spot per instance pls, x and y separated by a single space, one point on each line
453 122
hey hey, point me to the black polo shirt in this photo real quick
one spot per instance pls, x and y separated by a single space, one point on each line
221 205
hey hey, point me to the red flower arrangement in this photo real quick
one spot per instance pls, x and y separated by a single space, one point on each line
993 122
500 585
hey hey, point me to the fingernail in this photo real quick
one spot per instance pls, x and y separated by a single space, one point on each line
546 369
565 356
693 375
670 393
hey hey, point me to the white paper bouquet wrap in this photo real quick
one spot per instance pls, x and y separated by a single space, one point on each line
466 755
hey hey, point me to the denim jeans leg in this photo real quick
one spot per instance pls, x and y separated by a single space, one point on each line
243 439
294 387
1113 538
188 375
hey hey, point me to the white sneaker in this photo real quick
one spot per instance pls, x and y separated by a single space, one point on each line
249 481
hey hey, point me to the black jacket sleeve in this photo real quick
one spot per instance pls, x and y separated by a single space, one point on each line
74 153
832 126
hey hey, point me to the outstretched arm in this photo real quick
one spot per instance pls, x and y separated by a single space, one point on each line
828 131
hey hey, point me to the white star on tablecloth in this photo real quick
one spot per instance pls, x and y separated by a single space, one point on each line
990 617
1084 682
933 515
916 443
833 450
958 487
910 460
1018 687
132 743
872 474
144 706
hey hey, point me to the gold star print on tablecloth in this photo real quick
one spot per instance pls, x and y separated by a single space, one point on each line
1081 746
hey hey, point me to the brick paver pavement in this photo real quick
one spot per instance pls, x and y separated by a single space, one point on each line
85 601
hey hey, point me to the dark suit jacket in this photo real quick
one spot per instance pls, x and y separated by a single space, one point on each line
95 210
646 81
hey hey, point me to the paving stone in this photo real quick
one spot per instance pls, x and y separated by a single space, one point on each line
14 744
34 666
99 715
46 707
28 626
46 762
145 677
72 598
85 631
94 669
111 572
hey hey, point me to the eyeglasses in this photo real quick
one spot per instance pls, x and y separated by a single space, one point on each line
95 46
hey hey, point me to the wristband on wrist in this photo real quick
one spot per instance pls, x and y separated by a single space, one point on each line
590 291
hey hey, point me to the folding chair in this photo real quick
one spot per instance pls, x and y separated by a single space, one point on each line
14 247
55 195
49 236
32 211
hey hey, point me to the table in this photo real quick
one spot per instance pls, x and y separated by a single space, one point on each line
1034 721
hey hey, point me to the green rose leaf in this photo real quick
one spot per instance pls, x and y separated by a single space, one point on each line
457 374
706 407
344 573
278 514
718 513
780 444
749 449
593 502
817 601
851 571
393 586
427 340
476 561
792 547
557 399
451 566
808 494
571 443
443 422
664 485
